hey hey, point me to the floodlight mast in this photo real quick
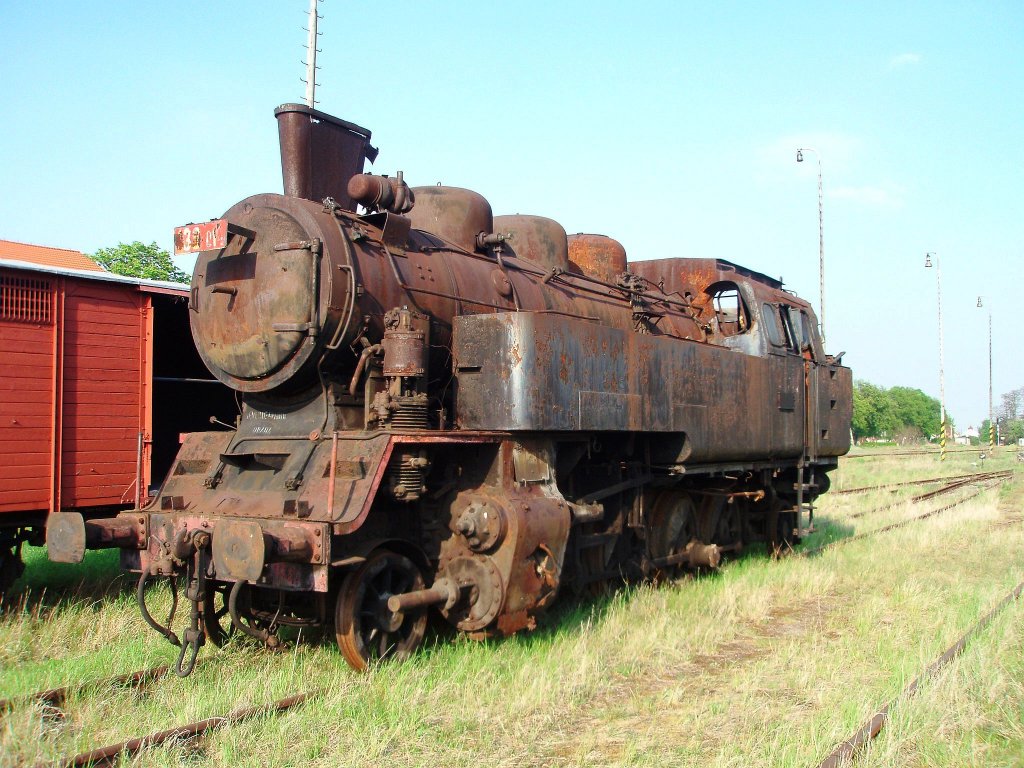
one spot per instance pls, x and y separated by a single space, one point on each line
821 239
992 432
942 376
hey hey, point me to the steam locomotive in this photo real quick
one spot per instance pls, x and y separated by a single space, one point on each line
445 410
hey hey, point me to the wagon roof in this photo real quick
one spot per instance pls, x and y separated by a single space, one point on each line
144 285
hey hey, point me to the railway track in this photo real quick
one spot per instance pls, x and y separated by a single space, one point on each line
845 752
106 755
924 481
886 454
55 697
948 488
984 486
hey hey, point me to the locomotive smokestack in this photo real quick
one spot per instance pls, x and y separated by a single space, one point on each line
320 153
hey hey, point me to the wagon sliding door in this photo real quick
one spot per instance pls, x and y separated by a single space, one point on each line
106 394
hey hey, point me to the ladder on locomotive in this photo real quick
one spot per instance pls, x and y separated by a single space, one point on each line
805 485
804 500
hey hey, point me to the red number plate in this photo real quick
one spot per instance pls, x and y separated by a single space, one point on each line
193 238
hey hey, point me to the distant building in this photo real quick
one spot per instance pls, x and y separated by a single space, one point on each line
971 432
62 258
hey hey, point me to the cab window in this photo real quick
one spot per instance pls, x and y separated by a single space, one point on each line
807 331
772 324
730 311
789 326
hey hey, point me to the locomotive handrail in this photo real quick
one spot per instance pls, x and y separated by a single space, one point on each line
350 300
517 264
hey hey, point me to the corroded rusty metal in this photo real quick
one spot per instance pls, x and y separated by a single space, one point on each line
431 396
381 192
320 153
536 239
597 255
456 216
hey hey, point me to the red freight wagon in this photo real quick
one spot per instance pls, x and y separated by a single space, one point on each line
98 378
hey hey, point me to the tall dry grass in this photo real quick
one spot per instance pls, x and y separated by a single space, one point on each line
763 663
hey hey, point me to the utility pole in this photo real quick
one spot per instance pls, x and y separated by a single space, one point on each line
311 51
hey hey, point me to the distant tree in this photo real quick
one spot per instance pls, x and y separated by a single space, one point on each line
138 260
908 434
1010 416
901 412
872 412
1011 405
983 433
913 408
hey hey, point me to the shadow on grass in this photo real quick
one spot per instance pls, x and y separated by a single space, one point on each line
46 585
828 532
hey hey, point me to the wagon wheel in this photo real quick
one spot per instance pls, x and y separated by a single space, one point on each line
213 613
671 525
11 566
366 629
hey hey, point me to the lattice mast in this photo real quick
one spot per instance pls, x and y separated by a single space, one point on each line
311 52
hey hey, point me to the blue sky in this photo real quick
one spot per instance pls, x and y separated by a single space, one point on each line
670 126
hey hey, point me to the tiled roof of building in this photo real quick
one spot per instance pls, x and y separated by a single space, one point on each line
52 257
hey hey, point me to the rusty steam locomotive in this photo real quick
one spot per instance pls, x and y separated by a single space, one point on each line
446 410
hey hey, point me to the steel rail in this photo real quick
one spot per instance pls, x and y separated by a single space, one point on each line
133 746
57 696
884 454
924 481
846 751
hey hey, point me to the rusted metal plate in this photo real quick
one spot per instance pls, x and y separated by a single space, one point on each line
540 372
256 304
194 238
454 214
536 239
597 255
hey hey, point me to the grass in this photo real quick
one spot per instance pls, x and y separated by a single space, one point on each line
763 663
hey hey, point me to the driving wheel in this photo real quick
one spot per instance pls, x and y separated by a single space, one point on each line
671 525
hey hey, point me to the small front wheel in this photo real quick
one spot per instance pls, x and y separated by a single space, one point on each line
366 628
